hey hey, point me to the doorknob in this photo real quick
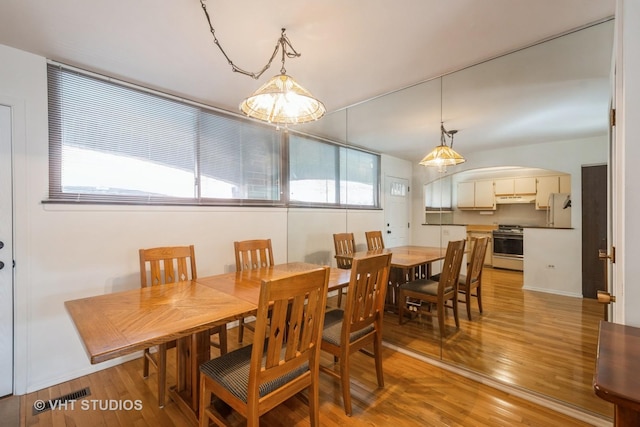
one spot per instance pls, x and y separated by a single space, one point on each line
605 297
1 265
388 231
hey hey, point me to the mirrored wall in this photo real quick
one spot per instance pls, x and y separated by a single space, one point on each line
498 100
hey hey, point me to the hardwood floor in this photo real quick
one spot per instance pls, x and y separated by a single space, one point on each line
541 342
415 393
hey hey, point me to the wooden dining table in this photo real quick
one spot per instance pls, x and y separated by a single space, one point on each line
407 263
120 323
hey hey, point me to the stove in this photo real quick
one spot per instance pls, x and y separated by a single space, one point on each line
508 245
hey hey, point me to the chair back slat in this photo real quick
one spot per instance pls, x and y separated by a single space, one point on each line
374 240
344 244
253 254
478 253
451 267
168 264
366 294
289 320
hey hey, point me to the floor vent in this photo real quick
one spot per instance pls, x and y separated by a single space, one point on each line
41 406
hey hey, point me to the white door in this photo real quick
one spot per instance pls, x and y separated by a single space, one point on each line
6 256
396 212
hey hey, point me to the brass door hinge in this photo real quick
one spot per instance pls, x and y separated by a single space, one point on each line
612 117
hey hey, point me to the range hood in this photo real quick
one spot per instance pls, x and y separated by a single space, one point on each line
523 198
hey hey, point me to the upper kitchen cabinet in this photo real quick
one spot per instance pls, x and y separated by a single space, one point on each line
515 186
546 185
476 195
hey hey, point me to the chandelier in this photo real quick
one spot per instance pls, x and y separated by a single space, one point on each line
281 100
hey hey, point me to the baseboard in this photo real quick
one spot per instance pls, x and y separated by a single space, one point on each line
527 395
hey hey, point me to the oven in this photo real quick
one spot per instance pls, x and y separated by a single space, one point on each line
508 247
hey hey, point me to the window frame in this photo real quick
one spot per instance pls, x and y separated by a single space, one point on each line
282 183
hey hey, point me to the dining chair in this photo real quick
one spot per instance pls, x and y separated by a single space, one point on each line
344 244
360 323
433 292
374 240
471 281
251 255
283 359
166 265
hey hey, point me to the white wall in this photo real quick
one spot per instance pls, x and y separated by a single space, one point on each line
64 252
627 236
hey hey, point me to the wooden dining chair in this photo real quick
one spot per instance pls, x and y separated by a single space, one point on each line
471 281
283 359
251 255
360 323
438 293
169 265
374 240
344 244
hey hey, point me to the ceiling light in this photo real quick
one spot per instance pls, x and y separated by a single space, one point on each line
281 101
443 155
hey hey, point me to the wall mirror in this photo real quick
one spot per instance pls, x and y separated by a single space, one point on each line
511 350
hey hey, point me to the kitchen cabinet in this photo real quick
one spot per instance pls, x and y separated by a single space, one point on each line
476 195
544 187
513 186
565 184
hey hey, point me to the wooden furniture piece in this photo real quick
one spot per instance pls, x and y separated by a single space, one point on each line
250 255
360 323
160 266
473 279
407 263
283 359
344 244
121 323
616 379
436 293
374 240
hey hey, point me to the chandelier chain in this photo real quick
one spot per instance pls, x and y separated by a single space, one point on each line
283 43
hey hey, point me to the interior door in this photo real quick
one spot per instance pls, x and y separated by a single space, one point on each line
6 257
396 212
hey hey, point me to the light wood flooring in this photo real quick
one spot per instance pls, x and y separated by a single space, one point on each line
533 340
539 341
415 393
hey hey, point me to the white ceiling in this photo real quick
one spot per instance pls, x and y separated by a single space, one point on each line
353 51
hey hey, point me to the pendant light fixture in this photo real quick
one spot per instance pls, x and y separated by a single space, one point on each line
443 155
281 101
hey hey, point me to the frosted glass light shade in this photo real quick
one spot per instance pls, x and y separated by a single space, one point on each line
283 101
441 157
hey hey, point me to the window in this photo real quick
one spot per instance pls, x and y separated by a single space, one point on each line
325 173
110 142
113 142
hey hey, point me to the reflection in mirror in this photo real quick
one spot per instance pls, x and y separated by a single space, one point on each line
534 323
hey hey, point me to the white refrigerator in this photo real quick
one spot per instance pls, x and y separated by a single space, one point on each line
559 213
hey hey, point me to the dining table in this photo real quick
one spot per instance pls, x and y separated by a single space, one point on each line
121 323
407 263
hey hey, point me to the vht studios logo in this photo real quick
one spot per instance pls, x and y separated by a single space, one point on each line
89 405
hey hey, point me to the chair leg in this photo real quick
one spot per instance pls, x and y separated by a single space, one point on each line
455 311
240 330
479 296
145 363
222 336
401 306
205 399
339 297
346 384
314 404
467 302
441 317
162 373
377 353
